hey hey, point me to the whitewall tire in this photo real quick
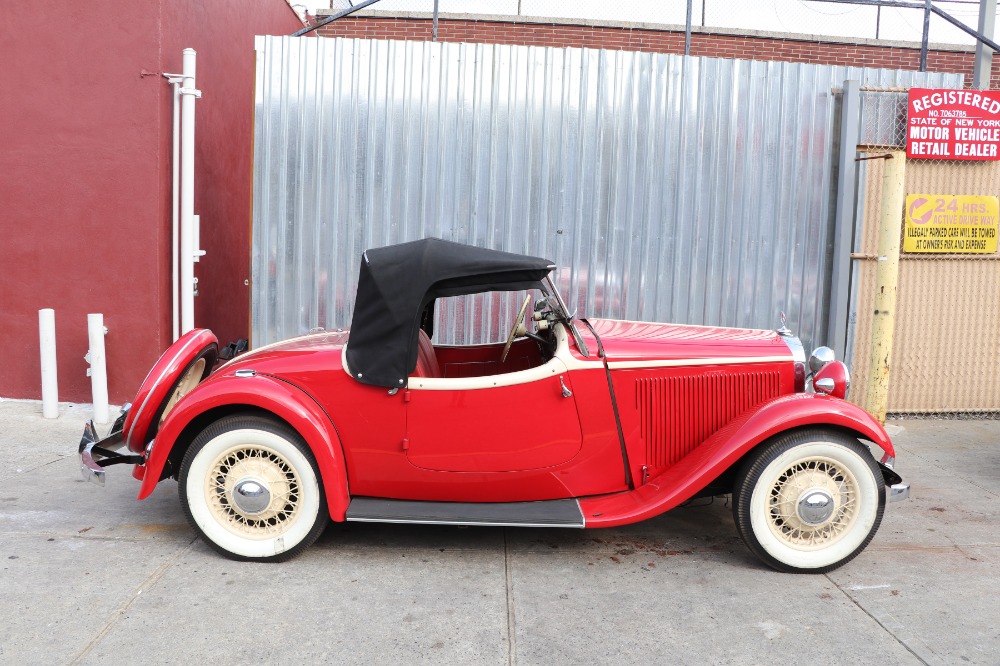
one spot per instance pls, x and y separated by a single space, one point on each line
250 486
810 501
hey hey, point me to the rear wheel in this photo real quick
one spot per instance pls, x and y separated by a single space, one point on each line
810 501
250 486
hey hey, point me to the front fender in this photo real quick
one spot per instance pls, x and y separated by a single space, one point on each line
719 452
808 409
266 393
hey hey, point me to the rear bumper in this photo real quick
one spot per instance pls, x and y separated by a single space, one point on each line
898 492
97 453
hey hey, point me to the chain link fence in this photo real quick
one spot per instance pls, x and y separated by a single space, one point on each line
946 341
799 17
909 35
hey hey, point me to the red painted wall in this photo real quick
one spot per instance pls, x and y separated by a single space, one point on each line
222 32
744 47
85 177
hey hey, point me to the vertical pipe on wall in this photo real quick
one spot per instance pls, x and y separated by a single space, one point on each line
98 367
47 345
886 278
687 28
926 36
983 67
175 167
436 19
188 95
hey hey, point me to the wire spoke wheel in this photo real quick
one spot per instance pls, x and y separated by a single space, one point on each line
226 490
809 501
191 378
250 486
813 503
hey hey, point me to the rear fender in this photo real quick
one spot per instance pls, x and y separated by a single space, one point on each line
725 448
260 392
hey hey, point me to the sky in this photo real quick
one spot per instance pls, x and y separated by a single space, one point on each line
798 16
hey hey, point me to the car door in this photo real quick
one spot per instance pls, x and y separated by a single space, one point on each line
502 423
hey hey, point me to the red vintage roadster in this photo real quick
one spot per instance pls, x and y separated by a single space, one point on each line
569 423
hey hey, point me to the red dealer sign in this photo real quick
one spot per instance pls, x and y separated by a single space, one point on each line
953 124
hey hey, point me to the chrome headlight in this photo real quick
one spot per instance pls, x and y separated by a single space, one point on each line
820 358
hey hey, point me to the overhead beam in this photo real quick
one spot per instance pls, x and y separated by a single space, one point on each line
333 17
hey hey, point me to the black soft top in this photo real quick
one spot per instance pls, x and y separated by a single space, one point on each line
396 286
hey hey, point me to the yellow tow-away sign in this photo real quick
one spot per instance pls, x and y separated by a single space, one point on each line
959 224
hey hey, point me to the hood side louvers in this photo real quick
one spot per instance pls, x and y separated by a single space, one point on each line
678 413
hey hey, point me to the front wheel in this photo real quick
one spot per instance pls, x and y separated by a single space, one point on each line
250 486
810 501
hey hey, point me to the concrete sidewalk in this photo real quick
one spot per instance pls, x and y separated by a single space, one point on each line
90 575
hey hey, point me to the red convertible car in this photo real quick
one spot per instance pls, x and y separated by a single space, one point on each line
572 422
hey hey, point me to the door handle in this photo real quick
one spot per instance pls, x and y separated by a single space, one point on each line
566 393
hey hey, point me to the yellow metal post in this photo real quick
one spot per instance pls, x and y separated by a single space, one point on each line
886 278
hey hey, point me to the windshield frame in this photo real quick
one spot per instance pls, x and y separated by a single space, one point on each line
565 316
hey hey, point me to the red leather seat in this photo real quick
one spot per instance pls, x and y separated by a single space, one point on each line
427 363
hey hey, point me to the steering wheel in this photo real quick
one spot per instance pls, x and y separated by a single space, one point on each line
513 330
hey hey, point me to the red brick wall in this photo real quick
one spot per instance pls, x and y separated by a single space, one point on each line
745 47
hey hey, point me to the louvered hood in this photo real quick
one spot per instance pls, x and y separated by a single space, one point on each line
677 385
643 341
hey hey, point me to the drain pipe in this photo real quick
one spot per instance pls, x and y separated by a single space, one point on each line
188 94
175 81
47 344
98 370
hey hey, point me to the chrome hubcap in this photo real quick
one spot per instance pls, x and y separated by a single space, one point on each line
251 496
815 506
812 503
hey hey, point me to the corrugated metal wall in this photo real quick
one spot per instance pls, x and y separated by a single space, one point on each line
690 190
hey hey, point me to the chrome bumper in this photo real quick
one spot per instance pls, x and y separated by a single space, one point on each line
898 492
97 453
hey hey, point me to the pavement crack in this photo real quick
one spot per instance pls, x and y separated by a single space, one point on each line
116 615
947 472
25 470
511 626
879 622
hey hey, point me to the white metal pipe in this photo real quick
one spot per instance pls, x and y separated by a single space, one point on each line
175 209
188 94
98 367
50 381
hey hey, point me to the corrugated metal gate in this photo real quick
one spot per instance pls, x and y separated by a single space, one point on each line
669 188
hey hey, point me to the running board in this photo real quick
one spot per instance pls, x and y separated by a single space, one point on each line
550 513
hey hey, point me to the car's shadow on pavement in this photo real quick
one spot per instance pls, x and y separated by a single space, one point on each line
703 530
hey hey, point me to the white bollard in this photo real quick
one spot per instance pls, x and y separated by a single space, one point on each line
98 369
47 345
